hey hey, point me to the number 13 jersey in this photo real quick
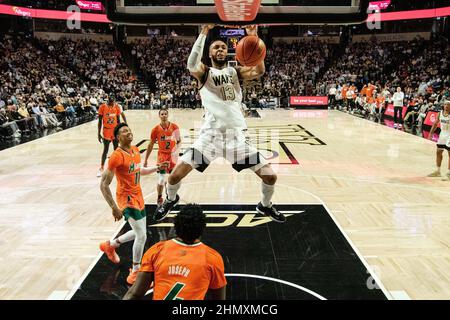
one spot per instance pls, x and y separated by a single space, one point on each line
221 96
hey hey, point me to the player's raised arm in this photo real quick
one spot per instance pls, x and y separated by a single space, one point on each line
194 63
107 178
161 166
251 73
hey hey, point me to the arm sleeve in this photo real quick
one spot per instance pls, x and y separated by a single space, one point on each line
195 58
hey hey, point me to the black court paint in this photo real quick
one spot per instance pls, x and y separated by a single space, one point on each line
308 251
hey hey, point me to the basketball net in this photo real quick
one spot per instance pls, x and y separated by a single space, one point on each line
237 10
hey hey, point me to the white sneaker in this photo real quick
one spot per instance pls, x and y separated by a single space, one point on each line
435 174
395 125
99 173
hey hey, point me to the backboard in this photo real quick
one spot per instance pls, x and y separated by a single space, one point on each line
268 12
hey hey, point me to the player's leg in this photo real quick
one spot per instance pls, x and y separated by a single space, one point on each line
139 226
173 185
106 144
162 175
162 179
439 156
109 247
198 157
268 180
245 156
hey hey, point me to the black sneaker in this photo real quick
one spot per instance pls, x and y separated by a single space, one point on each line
163 210
271 212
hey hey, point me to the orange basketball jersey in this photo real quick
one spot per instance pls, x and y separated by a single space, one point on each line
166 137
110 115
182 271
128 174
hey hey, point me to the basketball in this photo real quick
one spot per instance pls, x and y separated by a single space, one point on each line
250 51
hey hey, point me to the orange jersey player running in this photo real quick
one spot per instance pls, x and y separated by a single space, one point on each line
167 135
108 118
125 165
182 268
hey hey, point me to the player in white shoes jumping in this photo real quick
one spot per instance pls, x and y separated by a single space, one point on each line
222 133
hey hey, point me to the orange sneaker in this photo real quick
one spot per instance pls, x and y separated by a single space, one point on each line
110 252
132 276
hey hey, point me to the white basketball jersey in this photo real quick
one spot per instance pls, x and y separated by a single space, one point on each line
445 123
221 96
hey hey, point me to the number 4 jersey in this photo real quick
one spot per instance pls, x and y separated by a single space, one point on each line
183 271
221 96
126 166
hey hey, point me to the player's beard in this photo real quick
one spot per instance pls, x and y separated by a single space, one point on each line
219 63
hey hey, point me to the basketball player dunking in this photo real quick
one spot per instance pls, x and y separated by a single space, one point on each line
444 139
167 135
222 133
125 165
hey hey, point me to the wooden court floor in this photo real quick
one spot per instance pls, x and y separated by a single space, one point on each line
370 177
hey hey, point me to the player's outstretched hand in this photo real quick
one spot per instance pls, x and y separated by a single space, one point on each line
100 138
207 27
252 30
117 214
163 165
145 164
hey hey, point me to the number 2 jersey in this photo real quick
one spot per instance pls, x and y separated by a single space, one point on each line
221 96
183 271
165 137
126 166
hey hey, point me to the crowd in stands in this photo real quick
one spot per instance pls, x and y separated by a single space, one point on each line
163 63
99 65
366 78
57 83
37 92
293 68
